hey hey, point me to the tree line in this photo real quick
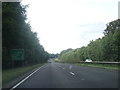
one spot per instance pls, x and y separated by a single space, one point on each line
106 48
17 34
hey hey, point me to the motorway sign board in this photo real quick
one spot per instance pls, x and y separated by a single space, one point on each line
17 54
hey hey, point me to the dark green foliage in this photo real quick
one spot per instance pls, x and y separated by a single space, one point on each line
17 34
106 48
53 55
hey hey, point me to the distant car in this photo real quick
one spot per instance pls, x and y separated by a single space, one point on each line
49 61
88 60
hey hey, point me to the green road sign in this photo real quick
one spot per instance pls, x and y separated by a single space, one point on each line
17 54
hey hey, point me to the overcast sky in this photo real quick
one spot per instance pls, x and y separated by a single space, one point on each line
63 24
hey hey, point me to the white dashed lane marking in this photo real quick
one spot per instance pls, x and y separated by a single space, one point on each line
15 86
82 79
72 73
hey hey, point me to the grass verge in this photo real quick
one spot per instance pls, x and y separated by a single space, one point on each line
11 74
105 66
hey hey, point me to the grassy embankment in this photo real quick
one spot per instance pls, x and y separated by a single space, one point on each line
105 66
11 74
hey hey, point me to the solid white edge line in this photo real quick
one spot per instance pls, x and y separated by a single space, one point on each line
72 73
25 78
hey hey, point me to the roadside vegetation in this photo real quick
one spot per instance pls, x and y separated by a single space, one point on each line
97 65
105 49
11 74
17 34
105 66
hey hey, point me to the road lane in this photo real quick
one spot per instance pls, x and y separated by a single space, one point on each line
52 75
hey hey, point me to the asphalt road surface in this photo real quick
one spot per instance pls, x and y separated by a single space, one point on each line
59 75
